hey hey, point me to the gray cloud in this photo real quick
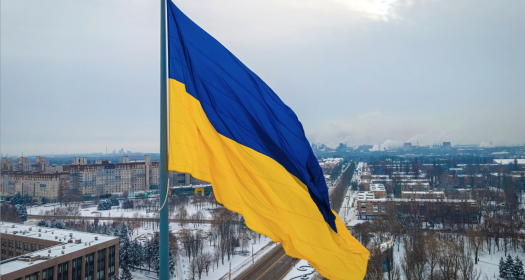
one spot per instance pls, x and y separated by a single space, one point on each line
80 75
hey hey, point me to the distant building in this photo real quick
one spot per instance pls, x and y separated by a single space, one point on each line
364 184
30 252
48 185
423 195
366 175
447 146
364 148
329 164
192 190
457 171
378 190
407 147
53 168
40 179
183 179
7 164
415 186
459 210
106 178
509 161
79 161
368 205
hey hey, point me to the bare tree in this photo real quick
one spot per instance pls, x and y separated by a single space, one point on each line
374 270
415 258
182 215
433 255
476 240
466 264
193 270
217 255
205 261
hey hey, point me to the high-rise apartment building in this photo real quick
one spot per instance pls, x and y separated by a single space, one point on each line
35 184
107 178
40 179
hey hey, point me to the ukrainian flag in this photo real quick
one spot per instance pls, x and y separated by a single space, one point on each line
227 127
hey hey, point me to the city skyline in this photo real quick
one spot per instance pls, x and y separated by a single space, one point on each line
362 72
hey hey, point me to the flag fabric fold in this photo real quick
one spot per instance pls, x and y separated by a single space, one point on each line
227 127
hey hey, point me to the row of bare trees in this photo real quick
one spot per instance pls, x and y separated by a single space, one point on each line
428 255
228 233
338 194
438 253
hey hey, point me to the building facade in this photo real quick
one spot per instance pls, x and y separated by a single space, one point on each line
423 195
36 253
107 178
35 184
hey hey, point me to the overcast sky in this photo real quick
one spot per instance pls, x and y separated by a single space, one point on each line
77 76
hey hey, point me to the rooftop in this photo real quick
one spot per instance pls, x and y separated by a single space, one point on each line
509 161
377 187
191 186
67 240
439 192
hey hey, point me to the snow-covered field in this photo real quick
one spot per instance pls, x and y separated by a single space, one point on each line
488 265
238 262
116 211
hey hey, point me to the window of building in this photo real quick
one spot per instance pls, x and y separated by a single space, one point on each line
34 248
89 266
47 274
26 247
111 264
10 244
76 269
101 264
33 276
18 246
62 272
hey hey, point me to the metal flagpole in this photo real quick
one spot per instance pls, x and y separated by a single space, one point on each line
163 217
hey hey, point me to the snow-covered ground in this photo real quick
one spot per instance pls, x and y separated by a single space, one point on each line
301 271
348 211
238 262
116 211
488 265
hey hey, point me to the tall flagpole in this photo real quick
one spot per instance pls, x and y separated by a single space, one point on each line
163 219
